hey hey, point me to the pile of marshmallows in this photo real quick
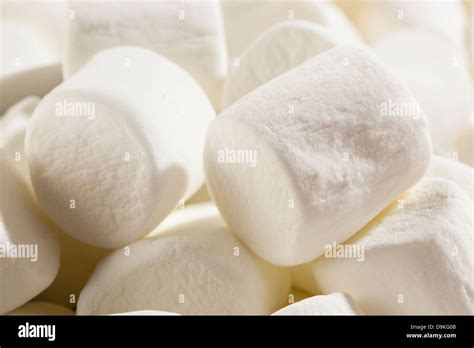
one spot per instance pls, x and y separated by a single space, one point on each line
334 167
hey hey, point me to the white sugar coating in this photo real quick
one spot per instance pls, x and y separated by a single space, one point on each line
191 34
378 19
29 250
13 127
417 256
465 144
22 49
198 267
452 170
145 312
41 308
332 304
113 150
280 48
284 163
433 71
245 20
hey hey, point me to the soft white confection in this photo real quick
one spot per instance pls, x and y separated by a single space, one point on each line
378 19
41 308
433 71
113 150
282 47
191 34
78 261
332 304
417 256
13 127
245 20
29 251
22 49
146 313
287 161
465 144
455 171
198 267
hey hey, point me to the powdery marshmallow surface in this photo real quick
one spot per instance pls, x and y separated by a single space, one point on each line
112 150
452 170
310 157
13 127
29 250
245 20
191 34
146 313
198 267
282 47
418 256
332 304
434 72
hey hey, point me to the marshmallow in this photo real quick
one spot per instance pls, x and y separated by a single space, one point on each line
465 144
333 304
282 47
417 256
29 252
46 18
202 195
41 308
22 49
434 73
12 133
378 19
197 267
245 20
189 34
284 163
112 150
146 313
452 170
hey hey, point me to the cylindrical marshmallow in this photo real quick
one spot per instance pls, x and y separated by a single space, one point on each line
282 47
191 34
29 251
41 308
113 150
414 258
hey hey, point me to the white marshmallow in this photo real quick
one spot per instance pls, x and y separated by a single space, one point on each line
245 20
433 71
29 252
112 150
286 162
41 308
12 133
378 19
194 268
452 170
191 34
22 49
465 144
418 256
282 47
332 304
